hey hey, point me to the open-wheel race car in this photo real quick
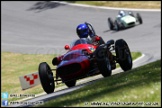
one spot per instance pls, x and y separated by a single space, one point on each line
85 58
126 21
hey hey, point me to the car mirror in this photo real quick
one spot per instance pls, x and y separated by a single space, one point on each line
67 47
97 38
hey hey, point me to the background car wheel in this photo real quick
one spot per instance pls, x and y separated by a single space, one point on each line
110 24
70 83
103 61
117 25
46 77
123 54
139 18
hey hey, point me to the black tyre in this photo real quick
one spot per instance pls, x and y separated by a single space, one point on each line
70 83
110 24
55 61
123 54
103 61
46 77
139 18
117 25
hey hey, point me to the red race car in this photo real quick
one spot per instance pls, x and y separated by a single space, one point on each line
83 59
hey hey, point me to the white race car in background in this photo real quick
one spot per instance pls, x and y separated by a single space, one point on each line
129 20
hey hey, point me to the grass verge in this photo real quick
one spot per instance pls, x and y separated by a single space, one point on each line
137 87
123 4
15 65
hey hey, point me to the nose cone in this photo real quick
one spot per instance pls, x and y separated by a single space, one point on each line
128 19
73 65
74 68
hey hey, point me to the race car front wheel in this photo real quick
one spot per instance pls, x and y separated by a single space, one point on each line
46 77
103 61
123 54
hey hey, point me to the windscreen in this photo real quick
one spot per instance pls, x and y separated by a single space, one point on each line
81 41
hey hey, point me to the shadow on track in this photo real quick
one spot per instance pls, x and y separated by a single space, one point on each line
115 31
44 5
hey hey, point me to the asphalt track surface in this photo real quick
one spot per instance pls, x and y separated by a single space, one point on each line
30 27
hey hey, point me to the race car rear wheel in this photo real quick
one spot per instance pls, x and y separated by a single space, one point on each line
103 61
46 77
70 83
123 54
139 18
110 23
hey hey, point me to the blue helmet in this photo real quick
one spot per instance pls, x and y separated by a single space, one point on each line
82 30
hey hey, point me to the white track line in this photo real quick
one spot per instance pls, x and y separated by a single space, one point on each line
138 58
113 8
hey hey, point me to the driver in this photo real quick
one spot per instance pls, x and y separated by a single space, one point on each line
121 14
83 31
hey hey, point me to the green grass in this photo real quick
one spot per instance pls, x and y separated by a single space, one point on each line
124 4
140 86
15 65
135 55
